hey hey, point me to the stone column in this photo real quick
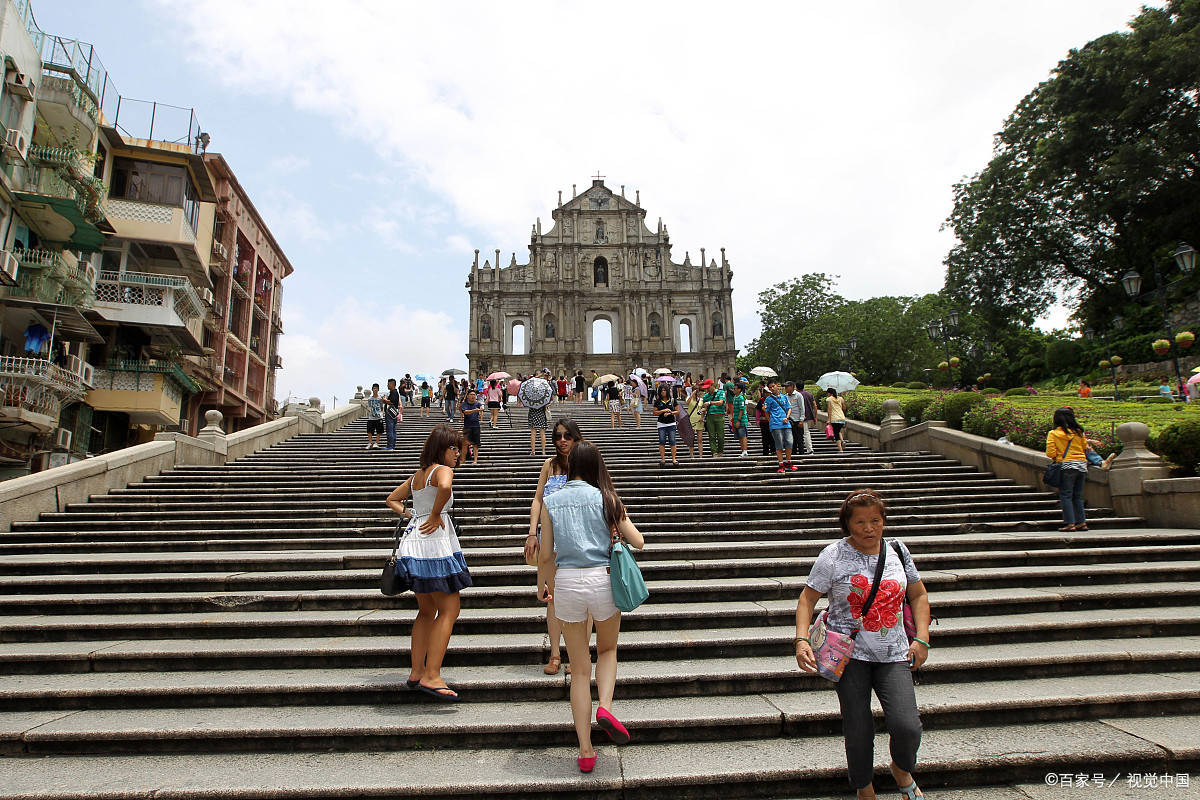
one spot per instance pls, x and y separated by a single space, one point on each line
893 422
1134 465
212 434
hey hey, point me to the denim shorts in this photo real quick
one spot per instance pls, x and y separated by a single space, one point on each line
739 431
666 435
782 437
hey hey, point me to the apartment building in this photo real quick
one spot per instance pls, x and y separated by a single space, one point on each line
125 308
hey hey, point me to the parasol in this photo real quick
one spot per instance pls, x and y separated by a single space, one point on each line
666 378
454 371
663 371
603 379
841 381
536 393
498 376
764 372
639 371
1194 379
422 377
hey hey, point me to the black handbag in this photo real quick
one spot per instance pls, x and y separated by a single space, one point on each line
395 579
1053 476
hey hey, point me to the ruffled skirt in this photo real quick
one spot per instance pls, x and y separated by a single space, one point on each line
433 562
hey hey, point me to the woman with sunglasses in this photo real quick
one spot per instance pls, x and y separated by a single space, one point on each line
553 477
433 558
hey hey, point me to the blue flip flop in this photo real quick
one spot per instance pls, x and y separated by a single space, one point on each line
445 698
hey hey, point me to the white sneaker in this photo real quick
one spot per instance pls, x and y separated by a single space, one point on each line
368 447
743 454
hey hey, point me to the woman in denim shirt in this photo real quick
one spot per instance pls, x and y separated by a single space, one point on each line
579 524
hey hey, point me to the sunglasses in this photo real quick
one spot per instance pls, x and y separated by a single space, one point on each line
556 436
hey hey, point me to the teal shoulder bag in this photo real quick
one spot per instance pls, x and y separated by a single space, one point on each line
628 587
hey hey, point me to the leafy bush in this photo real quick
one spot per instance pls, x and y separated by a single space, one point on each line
866 408
914 408
916 385
958 404
1021 426
990 390
937 407
899 385
1017 391
1159 400
1179 443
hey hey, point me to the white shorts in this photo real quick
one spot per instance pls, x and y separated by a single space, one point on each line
579 592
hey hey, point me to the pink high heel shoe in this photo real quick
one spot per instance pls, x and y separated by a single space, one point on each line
586 764
612 726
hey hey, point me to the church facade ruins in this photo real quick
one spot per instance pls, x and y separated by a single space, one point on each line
599 269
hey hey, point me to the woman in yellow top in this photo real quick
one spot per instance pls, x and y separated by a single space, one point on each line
1066 443
835 408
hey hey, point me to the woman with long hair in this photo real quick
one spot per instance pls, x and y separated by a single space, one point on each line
433 559
667 424
579 525
1066 443
494 396
552 478
835 409
883 657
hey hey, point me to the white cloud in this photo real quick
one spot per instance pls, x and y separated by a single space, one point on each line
360 342
800 136
290 163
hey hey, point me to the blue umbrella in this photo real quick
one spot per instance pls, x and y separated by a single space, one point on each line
423 377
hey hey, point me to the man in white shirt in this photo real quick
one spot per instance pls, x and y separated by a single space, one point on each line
797 416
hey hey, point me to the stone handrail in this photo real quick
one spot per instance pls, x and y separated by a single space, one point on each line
1136 485
25 498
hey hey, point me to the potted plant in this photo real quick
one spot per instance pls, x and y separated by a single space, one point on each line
1117 361
1105 364
1161 346
1185 338
943 365
954 362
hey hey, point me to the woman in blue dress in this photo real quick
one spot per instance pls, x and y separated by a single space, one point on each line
432 558
553 477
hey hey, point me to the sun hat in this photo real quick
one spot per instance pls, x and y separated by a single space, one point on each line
708 383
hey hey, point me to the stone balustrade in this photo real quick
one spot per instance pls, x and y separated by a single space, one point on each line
26 497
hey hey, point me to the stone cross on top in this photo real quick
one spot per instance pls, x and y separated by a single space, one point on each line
598 176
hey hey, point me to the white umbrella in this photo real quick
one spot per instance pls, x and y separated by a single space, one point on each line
663 371
841 381
764 372
639 371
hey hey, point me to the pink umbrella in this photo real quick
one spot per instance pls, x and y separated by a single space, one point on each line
666 378
513 386
1194 379
498 376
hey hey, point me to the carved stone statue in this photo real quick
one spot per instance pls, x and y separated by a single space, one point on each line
600 237
601 272
549 328
655 329
718 328
485 328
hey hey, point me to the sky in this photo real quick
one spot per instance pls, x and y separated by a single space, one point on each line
383 142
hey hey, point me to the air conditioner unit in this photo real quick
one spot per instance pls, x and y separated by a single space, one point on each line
15 142
62 439
88 375
276 362
21 86
219 311
74 365
8 267
206 295
219 250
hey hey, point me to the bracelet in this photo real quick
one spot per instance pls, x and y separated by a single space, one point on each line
531 535
802 639
922 641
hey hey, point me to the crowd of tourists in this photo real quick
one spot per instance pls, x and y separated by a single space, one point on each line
576 519
683 411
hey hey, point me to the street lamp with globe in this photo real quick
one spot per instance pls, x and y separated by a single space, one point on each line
1185 258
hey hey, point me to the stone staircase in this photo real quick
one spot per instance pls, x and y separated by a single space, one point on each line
218 632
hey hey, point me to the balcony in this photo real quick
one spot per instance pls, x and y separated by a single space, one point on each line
34 390
64 204
63 103
45 276
150 392
158 222
163 304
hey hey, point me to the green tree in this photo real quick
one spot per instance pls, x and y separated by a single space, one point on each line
1094 174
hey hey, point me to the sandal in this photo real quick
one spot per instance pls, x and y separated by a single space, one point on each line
1081 527
912 791
1067 528
554 666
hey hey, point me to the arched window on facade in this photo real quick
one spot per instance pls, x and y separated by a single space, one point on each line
601 336
655 327
685 337
518 339
600 271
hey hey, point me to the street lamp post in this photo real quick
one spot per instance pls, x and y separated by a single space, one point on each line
1185 258
944 331
1117 322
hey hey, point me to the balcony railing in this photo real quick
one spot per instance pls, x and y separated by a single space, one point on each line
68 87
40 259
46 277
88 192
149 289
41 371
168 368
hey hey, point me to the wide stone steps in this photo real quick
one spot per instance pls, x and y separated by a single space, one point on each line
535 723
218 631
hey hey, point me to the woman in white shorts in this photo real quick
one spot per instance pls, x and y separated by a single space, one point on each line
579 524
